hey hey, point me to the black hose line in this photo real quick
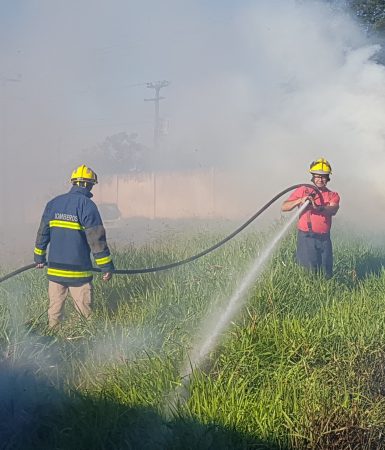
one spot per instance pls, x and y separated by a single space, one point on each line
191 258
16 272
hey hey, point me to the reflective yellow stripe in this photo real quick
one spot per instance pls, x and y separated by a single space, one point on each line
40 252
65 224
104 260
68 273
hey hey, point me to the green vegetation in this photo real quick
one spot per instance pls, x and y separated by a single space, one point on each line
302 367
371 12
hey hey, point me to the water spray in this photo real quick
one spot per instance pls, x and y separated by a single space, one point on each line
191 258
214 326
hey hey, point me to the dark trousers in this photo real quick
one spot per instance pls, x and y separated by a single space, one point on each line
315 252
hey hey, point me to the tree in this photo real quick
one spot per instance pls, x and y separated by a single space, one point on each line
119 153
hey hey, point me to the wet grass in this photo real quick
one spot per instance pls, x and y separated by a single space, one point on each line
302 366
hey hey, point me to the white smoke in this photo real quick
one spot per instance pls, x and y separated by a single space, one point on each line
260 87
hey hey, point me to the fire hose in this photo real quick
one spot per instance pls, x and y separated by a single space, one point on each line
191 258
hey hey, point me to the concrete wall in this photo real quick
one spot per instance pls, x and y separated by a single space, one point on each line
173 195
201 194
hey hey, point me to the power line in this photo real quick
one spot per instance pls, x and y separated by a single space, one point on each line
110 88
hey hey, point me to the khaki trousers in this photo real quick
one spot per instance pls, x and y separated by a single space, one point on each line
81 295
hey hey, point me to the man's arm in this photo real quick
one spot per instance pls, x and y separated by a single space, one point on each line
96 238
328 210
332 206
42 241
289 205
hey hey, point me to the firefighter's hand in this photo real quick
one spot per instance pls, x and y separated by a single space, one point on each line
303 200
40 265
310 198
107 276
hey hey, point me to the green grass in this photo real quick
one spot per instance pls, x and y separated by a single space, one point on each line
301 367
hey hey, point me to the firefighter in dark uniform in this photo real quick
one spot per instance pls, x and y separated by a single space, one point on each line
314 246
72 226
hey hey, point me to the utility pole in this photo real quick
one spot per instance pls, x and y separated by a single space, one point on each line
157 86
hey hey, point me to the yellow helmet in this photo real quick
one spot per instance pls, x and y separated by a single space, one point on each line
84 174
320 166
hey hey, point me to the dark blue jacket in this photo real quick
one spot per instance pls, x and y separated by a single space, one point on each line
72 226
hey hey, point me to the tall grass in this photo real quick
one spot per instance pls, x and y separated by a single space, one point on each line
301 367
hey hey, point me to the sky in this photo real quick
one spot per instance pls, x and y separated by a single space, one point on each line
259 87
83 66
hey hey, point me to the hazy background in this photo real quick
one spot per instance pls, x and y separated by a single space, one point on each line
257 88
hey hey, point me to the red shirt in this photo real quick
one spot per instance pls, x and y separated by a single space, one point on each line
320 222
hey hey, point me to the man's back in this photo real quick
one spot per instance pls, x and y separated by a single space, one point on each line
72 225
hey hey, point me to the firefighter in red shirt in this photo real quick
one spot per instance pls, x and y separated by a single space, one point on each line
314 246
